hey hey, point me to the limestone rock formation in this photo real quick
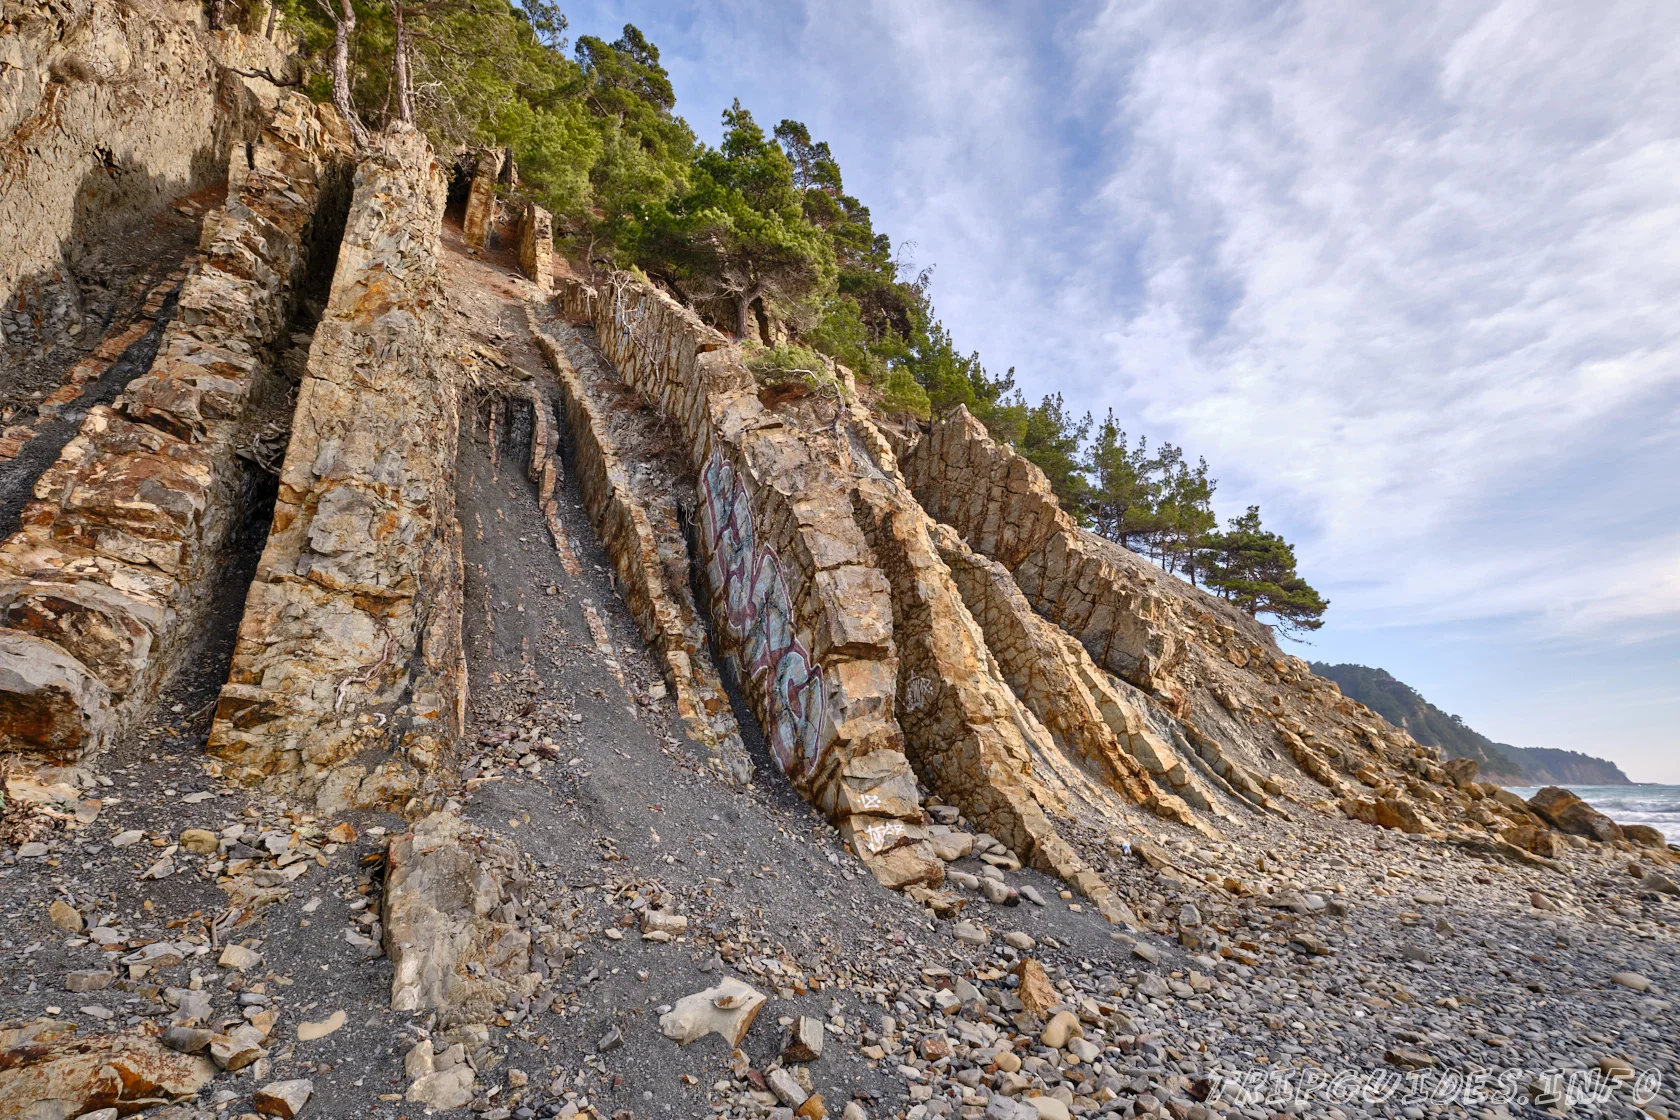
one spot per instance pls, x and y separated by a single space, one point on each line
452 946
1210 680
351 637
115 557
481 198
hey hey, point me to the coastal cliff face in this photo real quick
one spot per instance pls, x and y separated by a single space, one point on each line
408 633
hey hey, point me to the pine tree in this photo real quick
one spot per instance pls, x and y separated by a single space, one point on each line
1255 569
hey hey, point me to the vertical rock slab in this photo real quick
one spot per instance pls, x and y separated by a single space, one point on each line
351 642
797 600
1003 507
114 561
481 197
536 246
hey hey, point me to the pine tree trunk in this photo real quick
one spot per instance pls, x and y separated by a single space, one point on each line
405 99
341 74
743 312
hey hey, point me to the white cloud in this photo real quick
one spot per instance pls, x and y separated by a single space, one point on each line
1403 267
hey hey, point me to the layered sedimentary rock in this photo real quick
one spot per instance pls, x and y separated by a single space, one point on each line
1083 707
967 733
536 246
1209 679
636 514
47 1071
103 585
350 642
801 608
107 111
455 945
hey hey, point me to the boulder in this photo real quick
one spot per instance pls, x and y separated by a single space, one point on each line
1568 813
445 1089
728 1009
1461 772
803 1041
284 1099
1036 993
46 1071
444 890
1644 836
1539 841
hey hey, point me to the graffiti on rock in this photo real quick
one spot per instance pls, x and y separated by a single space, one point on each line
757 617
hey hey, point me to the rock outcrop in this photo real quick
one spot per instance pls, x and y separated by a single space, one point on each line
350 644
1568 813
454 946
796 598
536 246
1211 682
104 584
107 111
481 197
48 1071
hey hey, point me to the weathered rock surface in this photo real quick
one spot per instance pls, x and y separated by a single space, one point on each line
102 587
47 1071
452 949
1568 813
536 246
798 602
350 643
1211 681
481 197
1084 708
79 161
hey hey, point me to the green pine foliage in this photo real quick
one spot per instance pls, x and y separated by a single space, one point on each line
762 226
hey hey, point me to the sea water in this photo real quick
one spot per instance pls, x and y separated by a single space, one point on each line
1657 806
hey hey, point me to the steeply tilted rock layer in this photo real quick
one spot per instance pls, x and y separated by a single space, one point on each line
351 643
103 587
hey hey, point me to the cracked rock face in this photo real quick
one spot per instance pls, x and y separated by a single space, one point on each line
351 637
47 1073
90 161
113 559
447 932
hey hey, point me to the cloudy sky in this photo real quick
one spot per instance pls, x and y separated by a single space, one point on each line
1407 275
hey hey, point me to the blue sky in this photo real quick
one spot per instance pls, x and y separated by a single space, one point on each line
1407 275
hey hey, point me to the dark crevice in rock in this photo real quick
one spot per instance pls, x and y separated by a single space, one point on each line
17 477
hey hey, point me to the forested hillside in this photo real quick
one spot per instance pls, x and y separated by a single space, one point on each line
1405 708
